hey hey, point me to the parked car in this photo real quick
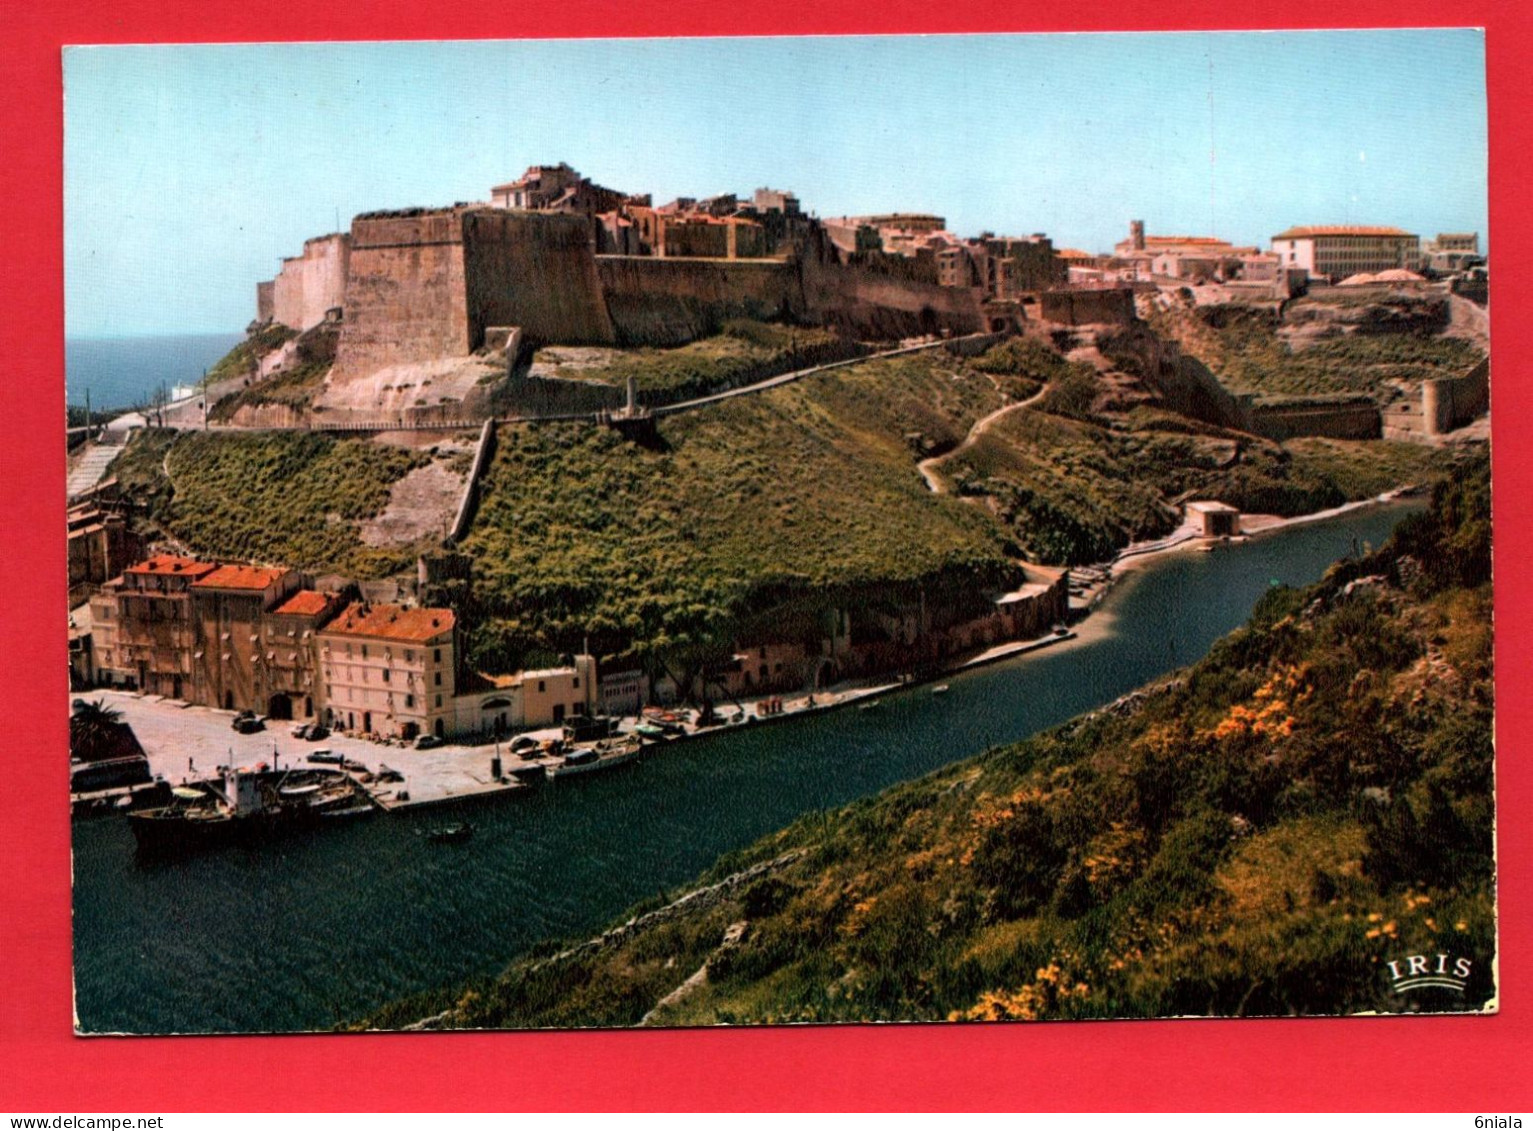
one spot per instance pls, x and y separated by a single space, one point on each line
301 730
427 742
524 744
248 722
326 757
317 733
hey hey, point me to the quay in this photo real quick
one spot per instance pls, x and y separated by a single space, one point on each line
186 744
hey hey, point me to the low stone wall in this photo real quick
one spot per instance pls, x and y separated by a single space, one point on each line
1358 420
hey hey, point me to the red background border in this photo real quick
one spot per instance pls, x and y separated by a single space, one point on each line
1467 1063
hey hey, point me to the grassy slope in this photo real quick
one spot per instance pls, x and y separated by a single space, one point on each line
1076 491
294 387
746 351
804 486
806 493
241 361
1248 356
288 497
1259 836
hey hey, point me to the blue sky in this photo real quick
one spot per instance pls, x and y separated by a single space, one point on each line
191 170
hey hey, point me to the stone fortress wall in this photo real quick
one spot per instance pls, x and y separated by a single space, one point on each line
405 297
422 284
311 284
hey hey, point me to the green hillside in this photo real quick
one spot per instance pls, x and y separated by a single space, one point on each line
292 498
1260 834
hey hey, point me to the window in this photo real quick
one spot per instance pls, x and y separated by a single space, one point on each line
438 656
409 700
409 656
438 700
385 675
364 651
542 685
577 681
439 679
348 647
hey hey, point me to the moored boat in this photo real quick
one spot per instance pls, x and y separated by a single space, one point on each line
244 806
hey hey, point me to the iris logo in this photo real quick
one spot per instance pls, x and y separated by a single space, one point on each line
1420 971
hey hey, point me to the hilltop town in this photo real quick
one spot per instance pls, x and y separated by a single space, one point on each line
565 455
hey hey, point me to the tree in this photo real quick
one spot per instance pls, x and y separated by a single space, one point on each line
97 731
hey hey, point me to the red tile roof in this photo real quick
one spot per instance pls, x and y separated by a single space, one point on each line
392 622
240 577
1308 232
162 564
304 603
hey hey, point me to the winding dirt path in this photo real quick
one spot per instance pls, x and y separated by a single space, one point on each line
928 467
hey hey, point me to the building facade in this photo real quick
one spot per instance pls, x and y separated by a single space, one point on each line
1337 251
154 630
389 670
229 656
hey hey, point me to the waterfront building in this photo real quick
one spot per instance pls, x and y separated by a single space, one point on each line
623 693
290 640
497 705
1217 520
1337 251
229 662
152 629
389 670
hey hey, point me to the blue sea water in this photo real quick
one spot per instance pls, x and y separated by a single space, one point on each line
123 372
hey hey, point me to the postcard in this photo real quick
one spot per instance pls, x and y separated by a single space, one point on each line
582 534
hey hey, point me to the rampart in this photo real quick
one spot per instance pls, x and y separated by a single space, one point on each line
534 271
312 283
266 300
1085 307
1451 402
428 284
669 302
405 293
867 304
1352 420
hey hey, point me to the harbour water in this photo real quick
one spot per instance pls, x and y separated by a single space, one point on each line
322 928
123 372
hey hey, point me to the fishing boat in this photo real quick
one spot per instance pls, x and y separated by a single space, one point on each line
241 807
604 755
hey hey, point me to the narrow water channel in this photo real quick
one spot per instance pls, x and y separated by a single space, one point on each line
323 928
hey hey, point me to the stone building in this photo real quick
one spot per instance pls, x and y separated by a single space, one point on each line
555 188
144 627
230 664
492 706
1216 520
100 547
389 670
290 637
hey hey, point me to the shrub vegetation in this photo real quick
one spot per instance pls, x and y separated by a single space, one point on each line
1259 835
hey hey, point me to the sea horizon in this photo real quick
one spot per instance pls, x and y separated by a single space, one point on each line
122 371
